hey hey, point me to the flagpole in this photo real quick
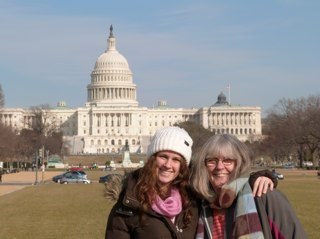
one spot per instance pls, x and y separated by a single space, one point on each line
229 94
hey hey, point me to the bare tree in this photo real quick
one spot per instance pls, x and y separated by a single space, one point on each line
54 143
197 132
8 140
27 145
292 128
2 99
42 132
44 122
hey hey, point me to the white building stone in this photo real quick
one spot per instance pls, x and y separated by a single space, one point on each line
112 116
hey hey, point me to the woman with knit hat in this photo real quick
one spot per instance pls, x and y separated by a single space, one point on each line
156 200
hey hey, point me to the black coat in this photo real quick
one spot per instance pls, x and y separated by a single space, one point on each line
124 219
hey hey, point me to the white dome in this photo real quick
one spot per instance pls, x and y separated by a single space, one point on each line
111 79
111 59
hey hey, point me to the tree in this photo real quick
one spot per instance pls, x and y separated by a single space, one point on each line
54 143
28 144
44 122
2 100
197 132
8 140
292 127
42 132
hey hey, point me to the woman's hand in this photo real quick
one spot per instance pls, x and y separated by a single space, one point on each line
261 186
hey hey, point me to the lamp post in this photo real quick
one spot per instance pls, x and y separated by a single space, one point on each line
47 154
36 165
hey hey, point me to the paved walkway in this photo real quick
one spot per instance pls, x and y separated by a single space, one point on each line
15 181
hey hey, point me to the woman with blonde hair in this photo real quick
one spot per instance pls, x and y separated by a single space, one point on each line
220 175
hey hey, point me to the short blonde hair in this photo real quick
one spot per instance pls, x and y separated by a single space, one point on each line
221 145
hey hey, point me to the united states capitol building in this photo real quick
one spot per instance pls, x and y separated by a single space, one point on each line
112 118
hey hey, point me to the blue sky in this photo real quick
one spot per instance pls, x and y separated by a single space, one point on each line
185 52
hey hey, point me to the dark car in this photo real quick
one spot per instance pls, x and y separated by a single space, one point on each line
71 177
318 173
107 178
277 175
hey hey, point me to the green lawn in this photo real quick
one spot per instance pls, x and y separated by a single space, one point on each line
80 211
303 191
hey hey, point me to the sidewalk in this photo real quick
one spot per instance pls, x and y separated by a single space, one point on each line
15 181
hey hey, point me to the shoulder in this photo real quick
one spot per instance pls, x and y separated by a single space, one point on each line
276 205
273 196
277 211
274 199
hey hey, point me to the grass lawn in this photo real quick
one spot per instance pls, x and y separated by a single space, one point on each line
303 192
80 211
54 211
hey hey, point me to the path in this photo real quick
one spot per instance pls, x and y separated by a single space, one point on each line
15 181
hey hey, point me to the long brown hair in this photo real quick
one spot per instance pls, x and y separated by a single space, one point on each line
147 187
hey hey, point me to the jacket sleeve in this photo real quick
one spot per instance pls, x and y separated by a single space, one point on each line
116 226
277 216
266 173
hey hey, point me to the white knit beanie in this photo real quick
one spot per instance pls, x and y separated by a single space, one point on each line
171 138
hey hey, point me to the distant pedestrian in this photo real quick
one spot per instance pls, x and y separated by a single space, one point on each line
1 176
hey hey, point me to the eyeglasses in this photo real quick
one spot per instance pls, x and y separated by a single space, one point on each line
212 162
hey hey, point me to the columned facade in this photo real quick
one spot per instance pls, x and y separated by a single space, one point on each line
112 118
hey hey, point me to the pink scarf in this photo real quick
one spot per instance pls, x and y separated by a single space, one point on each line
170 207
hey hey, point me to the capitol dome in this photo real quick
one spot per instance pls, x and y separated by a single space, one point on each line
222 100
111 79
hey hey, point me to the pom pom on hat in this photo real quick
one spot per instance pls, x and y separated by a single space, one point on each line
171 138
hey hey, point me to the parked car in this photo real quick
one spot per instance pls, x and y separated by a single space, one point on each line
58 178
75 169
109 168
70 177
81 173
318 173
108 177
288 166
277 175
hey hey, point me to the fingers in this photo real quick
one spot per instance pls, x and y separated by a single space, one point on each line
261 186
271 184
255 187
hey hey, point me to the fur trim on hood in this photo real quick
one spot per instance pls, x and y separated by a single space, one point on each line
113 187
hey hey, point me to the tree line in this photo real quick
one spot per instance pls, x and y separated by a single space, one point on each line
292 130
25 146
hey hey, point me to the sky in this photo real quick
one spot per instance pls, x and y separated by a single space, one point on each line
185 52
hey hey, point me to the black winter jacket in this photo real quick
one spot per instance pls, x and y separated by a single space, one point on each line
124 219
